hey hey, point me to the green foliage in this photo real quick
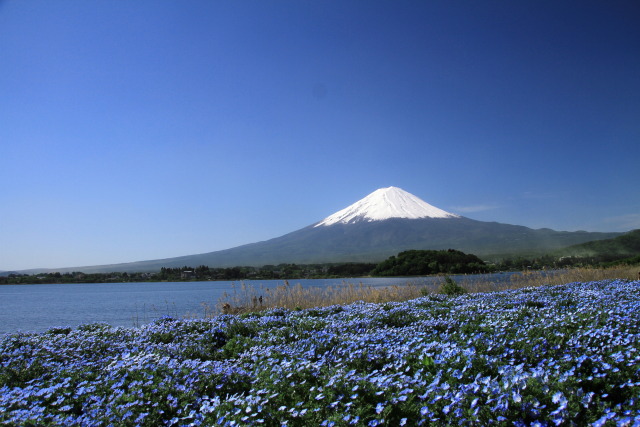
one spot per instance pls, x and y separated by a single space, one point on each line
352 269
451 288
59 331
425 262
235 346
428 363
534 304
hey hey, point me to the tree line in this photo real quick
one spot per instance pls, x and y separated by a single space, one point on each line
407 263
201 273
427 262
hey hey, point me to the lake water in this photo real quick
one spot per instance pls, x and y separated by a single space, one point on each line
36 308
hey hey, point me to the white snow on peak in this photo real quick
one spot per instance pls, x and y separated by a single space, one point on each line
386 203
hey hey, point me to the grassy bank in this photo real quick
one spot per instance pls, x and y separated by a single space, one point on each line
247 298
546 355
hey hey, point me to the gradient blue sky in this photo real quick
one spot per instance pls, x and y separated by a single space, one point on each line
134 130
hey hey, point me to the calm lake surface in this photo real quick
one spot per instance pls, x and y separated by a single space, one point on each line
37 308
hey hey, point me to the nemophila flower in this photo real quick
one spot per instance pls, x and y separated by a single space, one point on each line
517 363
603 420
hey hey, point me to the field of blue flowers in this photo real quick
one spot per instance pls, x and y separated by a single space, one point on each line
553 355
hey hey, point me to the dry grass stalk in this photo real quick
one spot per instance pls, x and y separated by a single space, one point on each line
583 274
246 298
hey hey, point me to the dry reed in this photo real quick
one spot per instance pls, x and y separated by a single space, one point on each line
583 274
246 298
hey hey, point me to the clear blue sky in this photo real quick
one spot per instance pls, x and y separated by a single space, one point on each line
134 130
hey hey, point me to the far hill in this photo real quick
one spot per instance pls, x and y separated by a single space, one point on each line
625 246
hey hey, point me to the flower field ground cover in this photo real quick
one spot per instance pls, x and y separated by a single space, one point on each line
551 355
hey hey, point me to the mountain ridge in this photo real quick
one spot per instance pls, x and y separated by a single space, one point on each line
626 245
365 232
370 242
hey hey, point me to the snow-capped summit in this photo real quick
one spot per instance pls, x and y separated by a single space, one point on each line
386 203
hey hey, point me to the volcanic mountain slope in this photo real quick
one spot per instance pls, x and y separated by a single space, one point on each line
625 246
387 221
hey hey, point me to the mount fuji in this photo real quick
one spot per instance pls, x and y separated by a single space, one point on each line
383 204
384 223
